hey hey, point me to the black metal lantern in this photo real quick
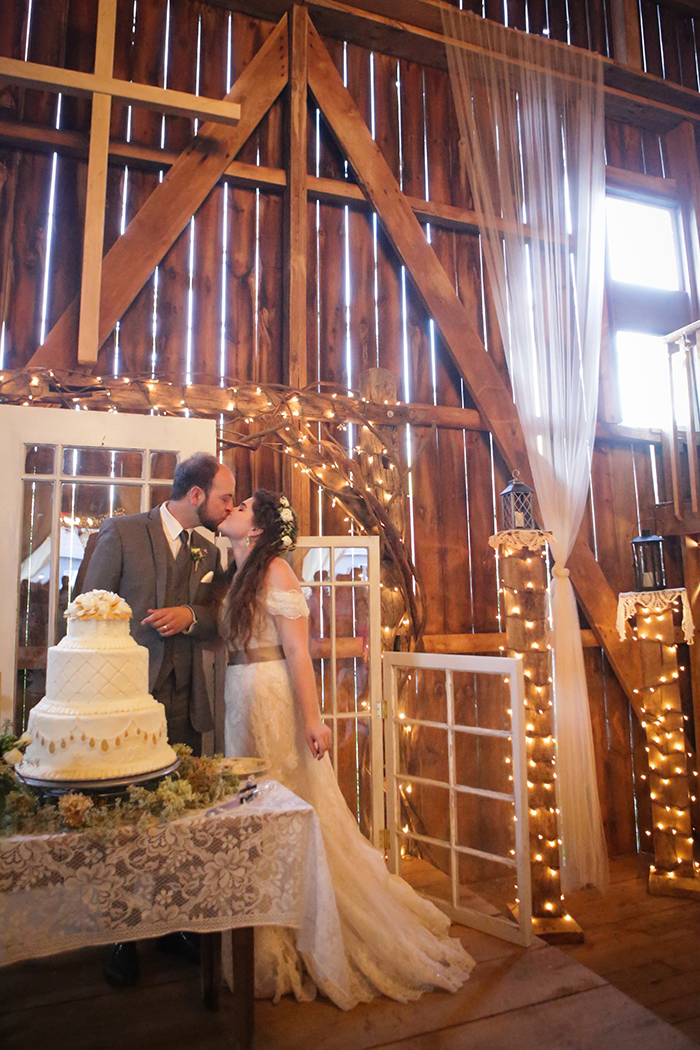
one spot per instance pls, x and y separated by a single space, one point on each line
649 571
516 501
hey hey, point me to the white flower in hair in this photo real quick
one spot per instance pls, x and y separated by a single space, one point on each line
286 541
286 514
284 502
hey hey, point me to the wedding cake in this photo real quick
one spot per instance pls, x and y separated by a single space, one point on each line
97 720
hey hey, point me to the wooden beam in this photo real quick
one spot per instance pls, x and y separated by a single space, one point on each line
85 85
258 176
296 208
155 228
93 237
486 386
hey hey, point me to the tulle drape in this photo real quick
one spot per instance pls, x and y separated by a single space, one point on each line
531 120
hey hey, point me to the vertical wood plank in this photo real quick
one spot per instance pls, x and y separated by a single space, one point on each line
241 290
24 297
208 275
146 67
81 30
47 46
670 25
182 67
651 41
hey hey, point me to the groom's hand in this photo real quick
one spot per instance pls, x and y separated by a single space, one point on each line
170 621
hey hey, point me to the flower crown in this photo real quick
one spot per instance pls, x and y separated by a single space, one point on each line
288 527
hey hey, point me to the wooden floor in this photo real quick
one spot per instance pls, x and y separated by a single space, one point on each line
542 998
648 947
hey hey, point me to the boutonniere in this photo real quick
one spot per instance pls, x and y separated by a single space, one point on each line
196 554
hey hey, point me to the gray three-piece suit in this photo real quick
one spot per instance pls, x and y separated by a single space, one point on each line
131 557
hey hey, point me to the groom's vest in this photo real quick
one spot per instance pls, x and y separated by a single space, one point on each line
177 654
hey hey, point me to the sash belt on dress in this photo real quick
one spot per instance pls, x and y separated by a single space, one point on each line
256 656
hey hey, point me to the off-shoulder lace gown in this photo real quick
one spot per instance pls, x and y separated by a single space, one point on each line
391 941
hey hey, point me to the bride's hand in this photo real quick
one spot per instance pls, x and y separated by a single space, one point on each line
319 738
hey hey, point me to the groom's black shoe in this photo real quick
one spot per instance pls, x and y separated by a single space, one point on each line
186 945
121 968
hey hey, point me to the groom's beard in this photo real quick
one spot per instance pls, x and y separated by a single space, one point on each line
205 519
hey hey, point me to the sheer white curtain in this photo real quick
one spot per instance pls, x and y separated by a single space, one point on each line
531 121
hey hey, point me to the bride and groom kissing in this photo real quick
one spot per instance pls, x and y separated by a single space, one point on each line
393 941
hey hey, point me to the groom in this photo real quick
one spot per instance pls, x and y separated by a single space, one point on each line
165 572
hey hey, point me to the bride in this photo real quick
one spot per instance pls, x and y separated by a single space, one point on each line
394 942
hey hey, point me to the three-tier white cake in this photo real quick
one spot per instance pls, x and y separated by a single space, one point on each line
97 720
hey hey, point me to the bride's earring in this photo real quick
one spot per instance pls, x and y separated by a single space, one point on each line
247 541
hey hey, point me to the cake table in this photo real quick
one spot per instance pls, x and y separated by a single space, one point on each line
231 867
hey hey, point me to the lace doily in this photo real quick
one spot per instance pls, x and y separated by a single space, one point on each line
653 602
257 864
520 539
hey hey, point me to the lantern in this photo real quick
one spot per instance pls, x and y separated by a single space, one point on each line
649 572
516 501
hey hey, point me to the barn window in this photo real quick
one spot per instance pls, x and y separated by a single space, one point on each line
647 299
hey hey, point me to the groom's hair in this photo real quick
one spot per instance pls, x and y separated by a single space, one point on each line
200 470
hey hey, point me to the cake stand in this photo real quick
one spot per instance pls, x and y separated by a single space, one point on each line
107 787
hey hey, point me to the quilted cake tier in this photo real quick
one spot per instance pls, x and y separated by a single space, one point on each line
89 675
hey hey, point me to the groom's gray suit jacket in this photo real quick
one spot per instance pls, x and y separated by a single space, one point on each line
131 557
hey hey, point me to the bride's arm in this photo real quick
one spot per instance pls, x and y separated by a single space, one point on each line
294 636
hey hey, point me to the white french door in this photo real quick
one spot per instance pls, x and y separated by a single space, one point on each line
339 576
62 473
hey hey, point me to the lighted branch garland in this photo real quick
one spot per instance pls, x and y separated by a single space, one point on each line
300 423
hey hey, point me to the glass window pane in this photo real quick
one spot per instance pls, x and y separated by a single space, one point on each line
353 735
643 381
85 505
642 244
39 459
35 578
312 564
351 564
163 464
352 680
421 693
484 762
158 494
423 752
481 700
102 463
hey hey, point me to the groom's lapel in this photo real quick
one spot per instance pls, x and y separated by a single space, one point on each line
161 553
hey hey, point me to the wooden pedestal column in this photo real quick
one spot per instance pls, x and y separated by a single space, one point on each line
673 872
526 607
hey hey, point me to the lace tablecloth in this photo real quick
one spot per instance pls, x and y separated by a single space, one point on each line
262 863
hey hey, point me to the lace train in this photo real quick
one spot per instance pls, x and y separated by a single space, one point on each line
394 942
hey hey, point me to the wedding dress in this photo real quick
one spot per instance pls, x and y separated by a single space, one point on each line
394 942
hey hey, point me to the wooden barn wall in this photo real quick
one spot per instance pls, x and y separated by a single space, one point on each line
212 309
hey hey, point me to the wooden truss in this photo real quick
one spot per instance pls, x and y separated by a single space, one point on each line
294 53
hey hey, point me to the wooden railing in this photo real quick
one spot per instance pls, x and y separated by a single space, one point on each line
680 440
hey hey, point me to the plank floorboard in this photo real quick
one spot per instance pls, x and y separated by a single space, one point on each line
641 954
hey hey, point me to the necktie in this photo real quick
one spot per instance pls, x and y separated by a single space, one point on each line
184 538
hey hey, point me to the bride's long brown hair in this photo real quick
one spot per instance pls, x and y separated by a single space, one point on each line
239 606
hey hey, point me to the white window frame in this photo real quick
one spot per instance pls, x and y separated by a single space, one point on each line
511 669
22 426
